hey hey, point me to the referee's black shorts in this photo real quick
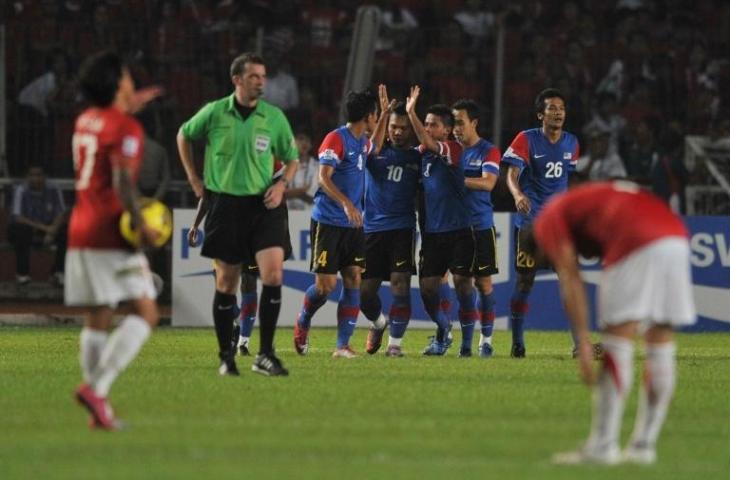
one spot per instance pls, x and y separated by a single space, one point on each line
236 227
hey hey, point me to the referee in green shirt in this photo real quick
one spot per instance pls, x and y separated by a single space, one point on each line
246 220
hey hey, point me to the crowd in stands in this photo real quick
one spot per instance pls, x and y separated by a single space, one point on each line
638 74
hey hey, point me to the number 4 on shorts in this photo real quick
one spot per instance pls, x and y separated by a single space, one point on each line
322 259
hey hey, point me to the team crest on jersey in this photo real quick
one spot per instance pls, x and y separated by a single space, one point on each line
262 143
130 146
329 154
567 156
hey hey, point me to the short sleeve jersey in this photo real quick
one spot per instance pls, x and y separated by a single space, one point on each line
446 208
239 154
103 139
544 167
347 155
391 181
607 219
480 158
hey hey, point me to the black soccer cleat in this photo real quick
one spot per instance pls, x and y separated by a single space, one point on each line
518 350
268 364
228 365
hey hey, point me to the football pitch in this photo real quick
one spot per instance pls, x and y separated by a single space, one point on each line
369 417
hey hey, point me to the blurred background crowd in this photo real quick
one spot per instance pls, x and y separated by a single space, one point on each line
639 75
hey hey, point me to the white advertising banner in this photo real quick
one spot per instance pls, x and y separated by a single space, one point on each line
193 285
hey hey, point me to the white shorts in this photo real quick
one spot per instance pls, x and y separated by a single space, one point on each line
106 277
652 285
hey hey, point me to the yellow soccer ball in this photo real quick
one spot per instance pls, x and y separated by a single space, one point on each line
156 216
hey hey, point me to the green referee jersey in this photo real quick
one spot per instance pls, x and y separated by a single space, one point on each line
239 155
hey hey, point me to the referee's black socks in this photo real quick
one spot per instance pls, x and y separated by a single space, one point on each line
269 306
224 313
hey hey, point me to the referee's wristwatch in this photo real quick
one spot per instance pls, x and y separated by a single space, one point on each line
285 182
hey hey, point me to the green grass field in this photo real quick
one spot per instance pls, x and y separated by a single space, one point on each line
370 417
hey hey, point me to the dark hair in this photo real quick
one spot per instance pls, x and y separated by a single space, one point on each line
99 77
471 107
358 105
239 63
399 109
443 112
544 95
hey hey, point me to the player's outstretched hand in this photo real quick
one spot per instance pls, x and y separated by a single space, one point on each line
143 96
413 98
383 97
353 214
193 237
585 363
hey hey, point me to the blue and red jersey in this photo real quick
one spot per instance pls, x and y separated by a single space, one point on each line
482 157
391 181
443 188
347 155
544 167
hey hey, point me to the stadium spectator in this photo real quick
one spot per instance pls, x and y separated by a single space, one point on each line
282 88
645 289
476 21
300 194
606 119
38 218
639 151
598 163
398 22
247 221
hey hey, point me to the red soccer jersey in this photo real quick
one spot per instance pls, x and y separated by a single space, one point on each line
606 219
103 138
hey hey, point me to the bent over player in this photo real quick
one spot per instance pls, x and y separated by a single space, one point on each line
645 289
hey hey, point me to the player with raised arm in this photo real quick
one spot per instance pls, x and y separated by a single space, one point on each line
448 242
392 173
336 234
481 170
645 289
540 160
102 270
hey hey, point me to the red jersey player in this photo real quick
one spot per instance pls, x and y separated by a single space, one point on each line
645 288
102 270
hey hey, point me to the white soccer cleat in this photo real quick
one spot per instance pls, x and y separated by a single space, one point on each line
582 456
639 455
344 352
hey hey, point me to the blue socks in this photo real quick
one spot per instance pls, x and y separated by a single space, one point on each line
432 305
518 309
400 315
249 305
312 303
468 315
347 310
486 318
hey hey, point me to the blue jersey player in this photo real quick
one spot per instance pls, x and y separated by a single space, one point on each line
336 233
448 242
391 183
480 161
539 161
